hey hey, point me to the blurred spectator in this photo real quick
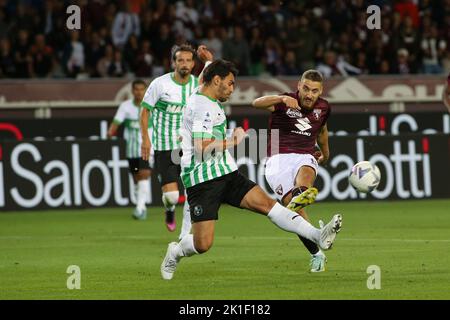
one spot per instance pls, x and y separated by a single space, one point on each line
22 57
256 44
186 19
236 50
3 24
7 65
144 61
94 52
74 55
118 67
402 65
104 63
125 24
433 50
407 8
339 16
304 42
336 66
163 44
289 65
131 52
213 43
273 56
42 57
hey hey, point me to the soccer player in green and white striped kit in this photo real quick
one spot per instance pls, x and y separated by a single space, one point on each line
128 115
165 99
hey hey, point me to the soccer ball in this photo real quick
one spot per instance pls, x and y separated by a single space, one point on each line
364 177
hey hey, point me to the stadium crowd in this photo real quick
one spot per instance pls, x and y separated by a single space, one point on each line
134 38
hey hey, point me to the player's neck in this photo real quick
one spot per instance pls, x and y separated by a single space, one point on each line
207 91
179 79
136 102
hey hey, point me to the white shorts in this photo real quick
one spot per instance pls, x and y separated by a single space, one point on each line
281 170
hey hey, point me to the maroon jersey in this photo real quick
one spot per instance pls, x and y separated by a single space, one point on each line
298 129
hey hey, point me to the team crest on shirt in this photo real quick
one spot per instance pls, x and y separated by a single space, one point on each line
317 113
292 113
279 190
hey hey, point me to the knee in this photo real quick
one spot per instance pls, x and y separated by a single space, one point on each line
202 245
171 197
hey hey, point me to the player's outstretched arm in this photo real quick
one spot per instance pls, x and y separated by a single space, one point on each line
205 147
322 141
206 57
269 102
146 145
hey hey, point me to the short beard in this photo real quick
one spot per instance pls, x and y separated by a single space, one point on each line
183 73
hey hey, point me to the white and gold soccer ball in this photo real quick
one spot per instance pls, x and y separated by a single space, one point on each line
365 177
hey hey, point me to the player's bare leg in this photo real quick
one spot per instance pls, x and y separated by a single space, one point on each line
170 199
200 241
142 189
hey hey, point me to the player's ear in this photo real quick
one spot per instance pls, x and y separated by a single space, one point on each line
216 80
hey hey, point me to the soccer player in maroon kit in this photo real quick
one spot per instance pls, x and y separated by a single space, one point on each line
291 169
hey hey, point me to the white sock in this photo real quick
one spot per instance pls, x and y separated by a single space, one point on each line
142 192
186 247
170 199
293 222
186 225
135 192
319 253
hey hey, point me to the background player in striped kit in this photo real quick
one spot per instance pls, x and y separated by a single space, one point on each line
165 99
128 115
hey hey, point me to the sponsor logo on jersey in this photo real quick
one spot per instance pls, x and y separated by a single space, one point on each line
292 113
303 124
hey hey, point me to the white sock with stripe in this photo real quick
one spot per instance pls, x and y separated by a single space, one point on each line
186 225
142 194
170 199
186 247
293 222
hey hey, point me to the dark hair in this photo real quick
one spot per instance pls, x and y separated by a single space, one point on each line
312 75
137 82
184 47
221 68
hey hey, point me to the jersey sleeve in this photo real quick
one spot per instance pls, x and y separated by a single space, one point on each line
151 95
203 124
281 106
120 115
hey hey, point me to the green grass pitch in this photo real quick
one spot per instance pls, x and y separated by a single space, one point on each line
251 258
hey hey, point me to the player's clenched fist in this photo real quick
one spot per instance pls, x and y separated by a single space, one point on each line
290 102
204 54
145 148
238 135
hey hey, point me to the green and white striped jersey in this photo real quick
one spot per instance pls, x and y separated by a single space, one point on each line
166 99
203 118
128 115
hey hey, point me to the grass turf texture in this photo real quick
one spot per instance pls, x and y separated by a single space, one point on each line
251 258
